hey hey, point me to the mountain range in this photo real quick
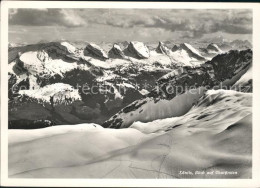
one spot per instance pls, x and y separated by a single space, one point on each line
132 109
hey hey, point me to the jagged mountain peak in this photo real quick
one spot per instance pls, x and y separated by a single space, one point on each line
162 48
94 50
116 52
175 48
138 50
192 51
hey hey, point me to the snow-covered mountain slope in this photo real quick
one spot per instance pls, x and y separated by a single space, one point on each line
218 129
76 136
46 60
149 109
173 85
130 78
213 106
39 67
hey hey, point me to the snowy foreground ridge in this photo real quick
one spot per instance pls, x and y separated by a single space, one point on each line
214 135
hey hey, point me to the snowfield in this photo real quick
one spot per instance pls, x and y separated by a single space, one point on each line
214 135
58 91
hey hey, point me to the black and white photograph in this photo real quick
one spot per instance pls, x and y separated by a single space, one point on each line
129 93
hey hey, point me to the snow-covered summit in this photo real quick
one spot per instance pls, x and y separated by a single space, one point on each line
138 50
192 51
69 47
96 51
116 52
161 48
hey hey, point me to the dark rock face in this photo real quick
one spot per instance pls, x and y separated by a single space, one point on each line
95 51
12 79
175 48
161 48
225 66
137 50
116 52
114 122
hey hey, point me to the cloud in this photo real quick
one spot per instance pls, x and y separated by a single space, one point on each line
195 23
146 23
45 17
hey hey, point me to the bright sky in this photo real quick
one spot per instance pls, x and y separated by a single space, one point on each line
113 25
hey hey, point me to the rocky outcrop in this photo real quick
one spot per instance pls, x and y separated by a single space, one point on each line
192 51
227 65
95 51
161 48
116 52
137 50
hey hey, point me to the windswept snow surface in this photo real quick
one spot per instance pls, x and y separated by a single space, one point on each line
214 136
16 136
214 106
